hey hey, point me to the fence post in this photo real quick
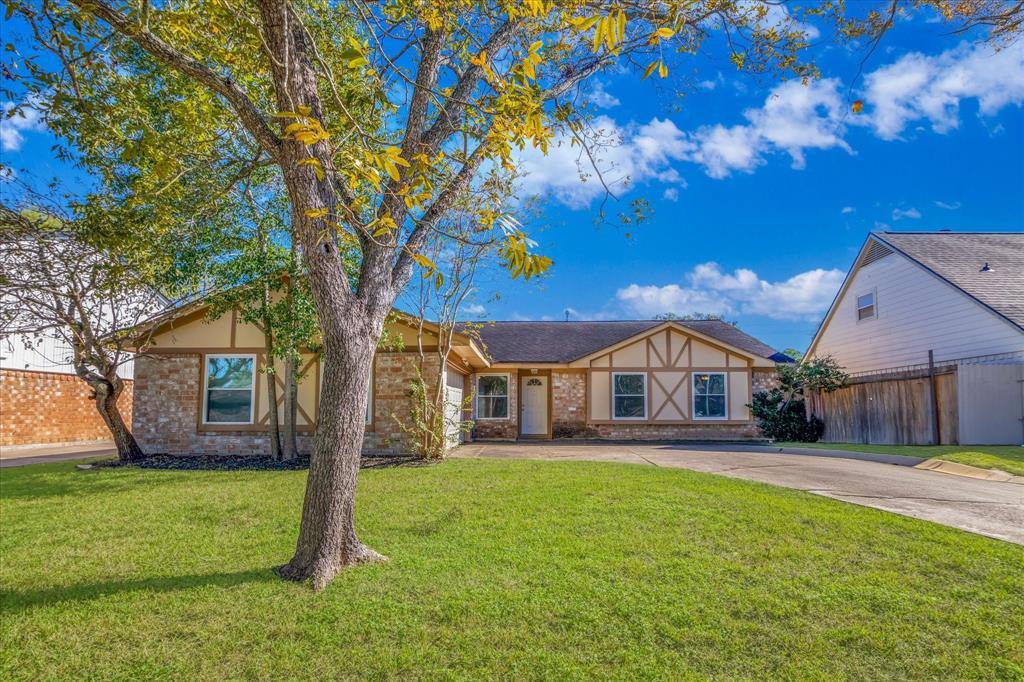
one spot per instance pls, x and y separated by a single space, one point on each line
935 398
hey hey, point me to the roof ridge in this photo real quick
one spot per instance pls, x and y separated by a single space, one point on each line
950 232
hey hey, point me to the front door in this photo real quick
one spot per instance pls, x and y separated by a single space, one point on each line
533 397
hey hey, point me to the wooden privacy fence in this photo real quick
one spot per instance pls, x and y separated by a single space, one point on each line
891 409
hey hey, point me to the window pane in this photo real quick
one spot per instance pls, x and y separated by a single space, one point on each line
228 406
229 372
700 383
700 406
716 406
865 300
492 408
716 384
629 384
865 313
629 406
493 385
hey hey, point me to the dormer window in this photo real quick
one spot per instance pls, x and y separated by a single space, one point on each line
866 308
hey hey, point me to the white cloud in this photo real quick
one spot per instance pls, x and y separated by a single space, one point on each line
625 156
671 194
948 206
899 214
601 98
916 89
475 309
847 209
794 118
12 126
919 87
708 289
776 15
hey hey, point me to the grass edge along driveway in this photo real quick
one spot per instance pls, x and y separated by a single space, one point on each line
1008 458
499 569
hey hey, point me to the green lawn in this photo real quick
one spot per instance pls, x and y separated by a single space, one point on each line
499 569
1009 458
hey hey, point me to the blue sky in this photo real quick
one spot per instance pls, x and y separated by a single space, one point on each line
762 191
760 222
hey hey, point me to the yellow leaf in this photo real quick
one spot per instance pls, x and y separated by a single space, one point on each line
318 168
650 69
664 32
857 106
582 24
662 70
622 26
316 212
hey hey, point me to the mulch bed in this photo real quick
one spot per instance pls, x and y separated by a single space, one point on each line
261 463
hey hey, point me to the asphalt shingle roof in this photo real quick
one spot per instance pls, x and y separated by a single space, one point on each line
568 341
959 257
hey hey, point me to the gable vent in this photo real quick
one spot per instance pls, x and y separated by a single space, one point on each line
876 251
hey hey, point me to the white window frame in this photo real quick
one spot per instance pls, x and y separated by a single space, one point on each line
629 395
252 389
693 396
873 293
507 396
369 389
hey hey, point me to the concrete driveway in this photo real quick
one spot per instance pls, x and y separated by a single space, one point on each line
991 508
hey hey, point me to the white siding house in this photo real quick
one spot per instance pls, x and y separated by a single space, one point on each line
958 295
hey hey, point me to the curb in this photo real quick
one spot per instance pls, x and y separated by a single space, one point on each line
957 469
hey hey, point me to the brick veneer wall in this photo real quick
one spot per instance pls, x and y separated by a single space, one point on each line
166 408
393 377
677 431
48 408
569 405
764 380
500 429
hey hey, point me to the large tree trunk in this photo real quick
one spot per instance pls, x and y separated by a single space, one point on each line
290 446
107 393
327 537
350 325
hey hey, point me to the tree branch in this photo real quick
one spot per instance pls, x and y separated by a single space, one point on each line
250 116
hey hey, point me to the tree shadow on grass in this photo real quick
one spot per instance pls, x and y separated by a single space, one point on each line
16 601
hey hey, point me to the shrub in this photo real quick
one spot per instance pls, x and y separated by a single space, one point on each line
785 420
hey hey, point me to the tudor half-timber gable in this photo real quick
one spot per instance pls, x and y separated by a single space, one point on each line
682 376
896 303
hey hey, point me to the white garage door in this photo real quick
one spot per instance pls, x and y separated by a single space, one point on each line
454 391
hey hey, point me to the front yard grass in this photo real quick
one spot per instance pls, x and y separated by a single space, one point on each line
1009 458
499 569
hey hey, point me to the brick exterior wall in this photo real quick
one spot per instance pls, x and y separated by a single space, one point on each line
46 408
569 405
500 429
393 377
677 431
764 380
166 414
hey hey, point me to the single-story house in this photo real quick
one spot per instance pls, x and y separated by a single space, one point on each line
199 388
930 326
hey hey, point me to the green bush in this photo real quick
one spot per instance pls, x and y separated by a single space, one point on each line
785 421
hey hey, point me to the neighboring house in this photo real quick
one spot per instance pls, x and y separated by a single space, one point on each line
199 388
42 400
953 299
